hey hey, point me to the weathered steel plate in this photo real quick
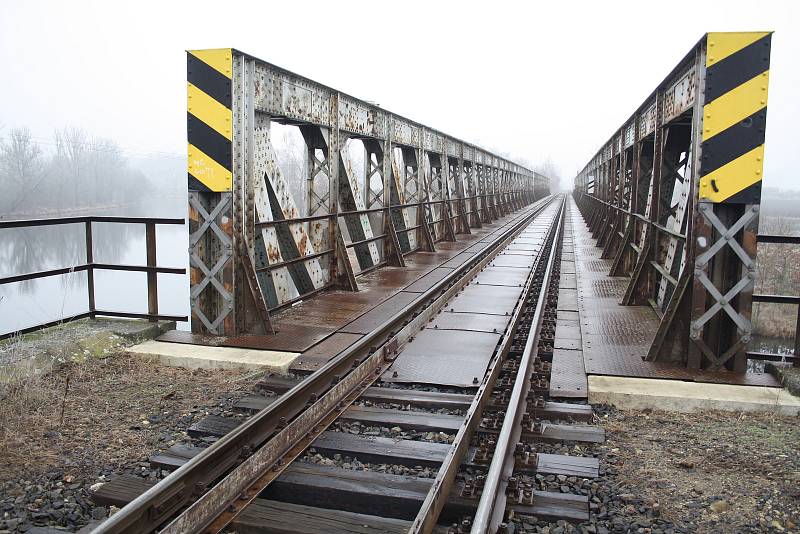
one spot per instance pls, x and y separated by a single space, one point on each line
393 277
568 377
333 309
481 298
440 357
477 322
289 338
324 351
512 260
522 247
567 300
428 281
459 260
503 276
568 332
380 313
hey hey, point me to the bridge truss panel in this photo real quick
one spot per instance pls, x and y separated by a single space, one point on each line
673 197
373 187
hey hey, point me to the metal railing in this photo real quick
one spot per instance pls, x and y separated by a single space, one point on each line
488 202
90 266
780 299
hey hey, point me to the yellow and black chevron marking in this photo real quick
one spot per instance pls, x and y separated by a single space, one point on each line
734 116
210 119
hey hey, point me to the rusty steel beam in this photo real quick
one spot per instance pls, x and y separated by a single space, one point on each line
236 182
697 146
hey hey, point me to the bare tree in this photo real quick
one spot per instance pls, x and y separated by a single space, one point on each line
22 169
549 169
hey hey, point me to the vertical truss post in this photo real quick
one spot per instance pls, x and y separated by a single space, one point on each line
462 192
471 172
621 264
445 212
640 286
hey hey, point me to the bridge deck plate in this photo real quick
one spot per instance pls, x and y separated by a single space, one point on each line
616 338
439 357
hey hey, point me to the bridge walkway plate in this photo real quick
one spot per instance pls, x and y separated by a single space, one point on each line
616 338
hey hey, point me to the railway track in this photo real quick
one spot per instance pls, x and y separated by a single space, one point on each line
439 416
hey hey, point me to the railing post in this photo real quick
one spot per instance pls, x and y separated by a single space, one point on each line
90 269
796 361
152 276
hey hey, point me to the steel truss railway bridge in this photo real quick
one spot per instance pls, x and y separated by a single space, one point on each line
418 281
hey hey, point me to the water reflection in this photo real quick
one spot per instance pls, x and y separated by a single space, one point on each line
32 302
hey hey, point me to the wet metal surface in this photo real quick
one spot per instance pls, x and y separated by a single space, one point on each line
476 298
478 322
428 281
459 260
376 316
513 260
503 276
334 309
440 357
322 352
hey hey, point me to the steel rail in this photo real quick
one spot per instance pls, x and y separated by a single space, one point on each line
428 515
491 507
156 505
220 505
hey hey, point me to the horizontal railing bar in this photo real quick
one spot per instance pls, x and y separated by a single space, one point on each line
138 268
294 260
660 268
777 299
772 356
21 223
364 241
328 216
86 266
782 239
134 315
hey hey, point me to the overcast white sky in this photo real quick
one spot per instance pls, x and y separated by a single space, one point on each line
532 79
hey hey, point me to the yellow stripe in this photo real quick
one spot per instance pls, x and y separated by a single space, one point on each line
209 111
734 176
723 44
735 105
217 58
209 172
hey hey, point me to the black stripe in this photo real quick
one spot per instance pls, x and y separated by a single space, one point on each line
737 68
748 195
732 142
207 139
209 80
288 247
195 184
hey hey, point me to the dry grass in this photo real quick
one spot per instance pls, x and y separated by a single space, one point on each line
101 413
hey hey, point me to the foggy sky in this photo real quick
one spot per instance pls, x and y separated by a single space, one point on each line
535 80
